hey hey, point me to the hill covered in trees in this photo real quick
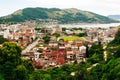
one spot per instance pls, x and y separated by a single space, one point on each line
70 15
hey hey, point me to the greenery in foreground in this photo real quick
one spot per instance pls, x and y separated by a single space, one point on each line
2 39
12 67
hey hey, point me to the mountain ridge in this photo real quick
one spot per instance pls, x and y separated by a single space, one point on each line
69 15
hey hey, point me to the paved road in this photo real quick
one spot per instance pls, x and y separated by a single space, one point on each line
105 55
92 66
30 46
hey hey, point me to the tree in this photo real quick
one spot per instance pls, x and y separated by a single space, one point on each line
113 68
13 67
21 73
37 29
97 72
81 73
40 50
41 75
46 39
98 49
64 29
11 52
8 70
53 48
107 71
116 40
1 77
2 39
10 57
87 50
95 54
28 65
82 34
113 48
57 35
76 28
117 52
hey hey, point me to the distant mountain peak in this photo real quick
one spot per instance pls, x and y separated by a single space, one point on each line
18 12
116 17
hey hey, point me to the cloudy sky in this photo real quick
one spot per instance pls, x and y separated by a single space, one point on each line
103 7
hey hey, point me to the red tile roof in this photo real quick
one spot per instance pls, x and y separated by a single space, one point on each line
38 64
60 61
58 56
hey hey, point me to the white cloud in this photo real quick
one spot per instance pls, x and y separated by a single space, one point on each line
103 7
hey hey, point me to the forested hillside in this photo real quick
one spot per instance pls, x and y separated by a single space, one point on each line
70 15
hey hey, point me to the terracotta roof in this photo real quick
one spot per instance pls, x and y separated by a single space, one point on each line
38 64
58 56
70 52
60 61
57 53
79 44
31 52
54 53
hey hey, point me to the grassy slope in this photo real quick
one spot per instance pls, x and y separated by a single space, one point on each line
71 38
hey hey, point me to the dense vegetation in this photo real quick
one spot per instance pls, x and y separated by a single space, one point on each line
2 39
62 15
12 67
110 69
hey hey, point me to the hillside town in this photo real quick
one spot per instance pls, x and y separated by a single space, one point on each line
54 46
60 40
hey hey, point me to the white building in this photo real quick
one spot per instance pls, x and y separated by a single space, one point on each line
36 55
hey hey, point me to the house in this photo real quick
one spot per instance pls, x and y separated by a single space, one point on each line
67 45
78 43
61 47
37 55
57 29
70 55
79 55
68 32
53 44
50 63
38 64
74 47
60 60
22 36
6 33
82 50
58 56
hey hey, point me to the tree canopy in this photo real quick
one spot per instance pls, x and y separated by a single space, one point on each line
2 39
12 66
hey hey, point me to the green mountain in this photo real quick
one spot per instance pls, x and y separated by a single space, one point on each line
70 15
